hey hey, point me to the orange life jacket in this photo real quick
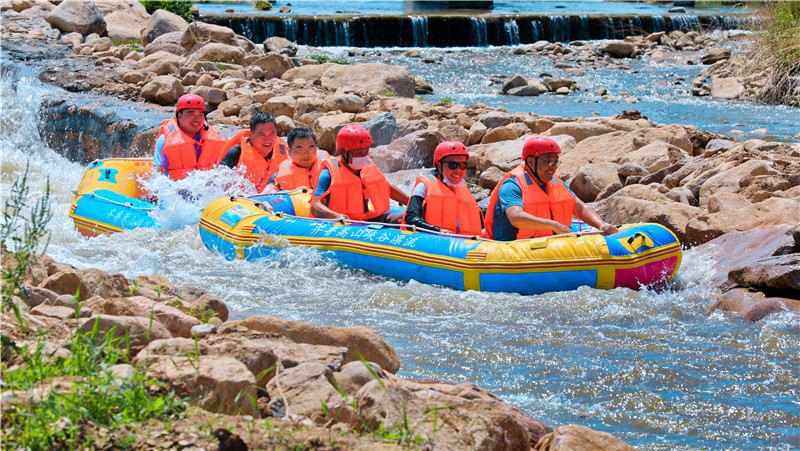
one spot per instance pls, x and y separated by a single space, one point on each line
179 149
557 203
291 176
258 169
350 193
450 208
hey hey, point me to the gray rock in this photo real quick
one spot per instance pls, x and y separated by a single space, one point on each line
278 44
495 119
714 55
619 49
382 128
78 16
162 22
516 81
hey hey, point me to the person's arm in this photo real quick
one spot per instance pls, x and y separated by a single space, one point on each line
525 221
159 159
586 214
397 194
414 214
231 158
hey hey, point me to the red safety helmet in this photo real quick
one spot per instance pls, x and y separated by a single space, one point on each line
352 137
190 101
447 148
539 145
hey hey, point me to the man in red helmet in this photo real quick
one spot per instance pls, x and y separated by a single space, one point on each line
186 142
440 200
351 186
532 201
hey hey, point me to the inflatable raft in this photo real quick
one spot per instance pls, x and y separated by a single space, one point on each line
109 197
639 255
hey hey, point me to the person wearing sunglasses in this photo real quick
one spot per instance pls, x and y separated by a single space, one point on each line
532 201
260 150
351 186
440 200
186 142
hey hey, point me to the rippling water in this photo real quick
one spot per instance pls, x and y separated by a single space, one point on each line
649 367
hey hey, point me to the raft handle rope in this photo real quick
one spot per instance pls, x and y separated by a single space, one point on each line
344 221
114 202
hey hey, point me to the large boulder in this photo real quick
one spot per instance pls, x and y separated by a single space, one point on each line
412 151
346 103
162 22
310 73
655 156
326 127
619 49
274 65
580 130
217 384
69 282
124 19
729 180
178 323
753 305
580 438
77 15
104 284
359 341
592 179
507 154
771 212
135 331
163 90
382 128
161 63
304 390
199 34
281 45
726 88
218 52
371 78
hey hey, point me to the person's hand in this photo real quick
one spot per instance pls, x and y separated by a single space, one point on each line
560 228
608 229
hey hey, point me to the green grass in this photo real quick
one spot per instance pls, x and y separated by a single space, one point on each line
446 101
96 397
778 50
322 59
181 8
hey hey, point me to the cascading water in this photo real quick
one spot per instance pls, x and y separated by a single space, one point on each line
290 29
537 31
583 28
512 32
559 28
658 23
650 367
684 22
341 33
478 34
419 30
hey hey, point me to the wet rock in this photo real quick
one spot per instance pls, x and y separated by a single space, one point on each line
217 384
753 306
414 150
771 212
780 273
619 49
580 130
77 16
280 45
592 179
162 22
199 34
495 119
357 340
218 52
476 133
580 438
714 55
516 81
422 86
382 128
726 88
347 103
163 90
372 78
67 282
274 65
526 90
136 331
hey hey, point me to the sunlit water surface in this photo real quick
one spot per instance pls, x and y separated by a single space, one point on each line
651 368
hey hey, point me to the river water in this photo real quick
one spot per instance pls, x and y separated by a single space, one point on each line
650 367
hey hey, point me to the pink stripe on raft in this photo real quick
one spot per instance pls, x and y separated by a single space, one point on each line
649 274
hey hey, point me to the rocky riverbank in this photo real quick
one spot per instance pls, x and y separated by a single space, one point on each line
319 387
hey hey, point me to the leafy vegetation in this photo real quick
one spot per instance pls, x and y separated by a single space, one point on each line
181 8
322 59
779 49
446 101
262 5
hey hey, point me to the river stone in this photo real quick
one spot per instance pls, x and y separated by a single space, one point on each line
726 88
714 55
524 91
199 34
162 22
281 45
355 375
729 180
752 305
346 103
274 65
592 179
412 151
137 331
476 133
771 212
374 78
580 130
505 133
218 52
78 16
619 49
516 81
495 119
310 73
382 128
781 273
305 389
124 19
580 438
68 282
163 90
160 63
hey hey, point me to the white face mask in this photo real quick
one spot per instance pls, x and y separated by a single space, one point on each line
449 182
359 163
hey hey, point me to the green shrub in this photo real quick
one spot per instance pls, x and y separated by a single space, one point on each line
181 8
262 5
778 51
322 59
446 101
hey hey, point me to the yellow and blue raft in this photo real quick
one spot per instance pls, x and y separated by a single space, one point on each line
109 197
252 228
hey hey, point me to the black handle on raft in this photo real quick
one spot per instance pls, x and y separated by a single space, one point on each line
636 235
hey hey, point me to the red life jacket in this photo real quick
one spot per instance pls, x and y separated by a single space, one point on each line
179 149
291 176
557 203
349 193
450 208
258 169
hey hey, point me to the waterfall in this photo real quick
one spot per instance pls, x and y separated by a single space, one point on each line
583 28
611 28
559 28
658 23
290 29
685 22
512 32
478 32
419 30
537 32
341 31
305 33
636 26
